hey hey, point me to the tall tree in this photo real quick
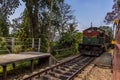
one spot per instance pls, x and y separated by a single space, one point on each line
115 13
7 8
45 18
32 7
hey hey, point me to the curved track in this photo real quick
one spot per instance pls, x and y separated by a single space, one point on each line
62 71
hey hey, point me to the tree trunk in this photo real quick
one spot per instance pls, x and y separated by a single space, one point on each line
50 16
33 16
35 21
30 15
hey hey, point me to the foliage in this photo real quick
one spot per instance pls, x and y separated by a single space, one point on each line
110 16
21 30
4 29
68 40
78 37
43 19
44 44
2 42
108 30
78 40
3 46
7 8
17 48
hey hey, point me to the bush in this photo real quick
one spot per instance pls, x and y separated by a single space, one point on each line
44 44
2 42
17 48
68 40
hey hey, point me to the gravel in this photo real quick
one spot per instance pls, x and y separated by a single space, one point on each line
100 73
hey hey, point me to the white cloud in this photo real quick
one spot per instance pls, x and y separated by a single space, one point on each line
81 27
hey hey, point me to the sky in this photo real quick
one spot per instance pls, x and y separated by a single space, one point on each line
85 11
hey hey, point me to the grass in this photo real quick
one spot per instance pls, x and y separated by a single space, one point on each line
64 54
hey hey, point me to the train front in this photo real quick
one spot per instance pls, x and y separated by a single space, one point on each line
93 42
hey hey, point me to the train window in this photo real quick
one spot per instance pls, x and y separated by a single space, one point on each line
89 31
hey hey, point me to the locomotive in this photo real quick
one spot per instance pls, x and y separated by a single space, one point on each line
94 42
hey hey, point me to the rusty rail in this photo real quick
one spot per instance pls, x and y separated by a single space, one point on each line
80 61
77 72
31 76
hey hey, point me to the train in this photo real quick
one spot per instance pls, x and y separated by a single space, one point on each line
94 41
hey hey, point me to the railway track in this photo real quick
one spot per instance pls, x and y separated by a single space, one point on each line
62 71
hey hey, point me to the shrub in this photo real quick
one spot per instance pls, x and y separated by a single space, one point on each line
17 48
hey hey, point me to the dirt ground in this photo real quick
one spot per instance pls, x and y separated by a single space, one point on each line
99 69
95 73
100 73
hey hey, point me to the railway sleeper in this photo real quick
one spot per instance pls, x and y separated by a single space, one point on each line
48 77
68 73
57 75
73 61
61 76
64 77
77 59
72 70
79 64
36 78
63 72
64 69
59 71
69 66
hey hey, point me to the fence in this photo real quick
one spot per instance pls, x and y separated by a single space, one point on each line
66 52
11 44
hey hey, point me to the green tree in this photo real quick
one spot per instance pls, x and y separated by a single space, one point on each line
44 18
110 16
4 29
108 30
7 8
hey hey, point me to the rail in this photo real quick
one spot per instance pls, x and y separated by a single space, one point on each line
77 72
76 63
44 71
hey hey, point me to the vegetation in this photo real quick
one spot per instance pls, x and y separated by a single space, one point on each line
111 16
67 45
108 30
50 20
20 68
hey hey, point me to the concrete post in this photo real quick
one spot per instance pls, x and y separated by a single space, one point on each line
13 44
32 43
39 45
